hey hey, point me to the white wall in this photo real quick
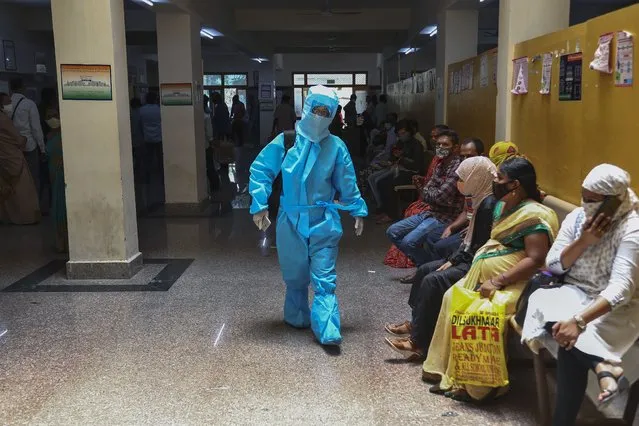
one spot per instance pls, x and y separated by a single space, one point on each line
331 62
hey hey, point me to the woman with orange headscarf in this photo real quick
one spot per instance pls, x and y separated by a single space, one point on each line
502 151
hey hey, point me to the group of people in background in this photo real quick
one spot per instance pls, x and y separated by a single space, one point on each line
31 165
480 224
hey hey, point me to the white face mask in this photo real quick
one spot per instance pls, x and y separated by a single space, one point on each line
8 109
54 123
590 208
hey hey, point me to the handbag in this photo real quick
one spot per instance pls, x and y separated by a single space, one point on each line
541 280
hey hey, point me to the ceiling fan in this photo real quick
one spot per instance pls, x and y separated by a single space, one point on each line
327 11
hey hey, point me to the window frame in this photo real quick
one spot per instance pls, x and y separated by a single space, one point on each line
306 73
354 86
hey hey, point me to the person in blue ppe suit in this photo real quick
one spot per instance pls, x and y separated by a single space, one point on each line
313 171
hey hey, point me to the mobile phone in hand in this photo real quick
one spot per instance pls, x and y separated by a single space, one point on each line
609 207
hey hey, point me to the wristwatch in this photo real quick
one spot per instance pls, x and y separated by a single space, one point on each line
580 322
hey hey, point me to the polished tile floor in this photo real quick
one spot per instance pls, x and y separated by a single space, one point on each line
208 345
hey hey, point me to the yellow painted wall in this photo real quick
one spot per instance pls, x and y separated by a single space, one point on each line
472 112
417 106
566 139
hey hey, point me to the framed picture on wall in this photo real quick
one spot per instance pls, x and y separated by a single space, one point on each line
9 51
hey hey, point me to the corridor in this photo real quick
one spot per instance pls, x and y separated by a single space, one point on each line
212 349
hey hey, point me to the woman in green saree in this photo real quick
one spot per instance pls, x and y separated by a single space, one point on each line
58 211
522 234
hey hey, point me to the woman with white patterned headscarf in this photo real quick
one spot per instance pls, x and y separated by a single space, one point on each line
592 320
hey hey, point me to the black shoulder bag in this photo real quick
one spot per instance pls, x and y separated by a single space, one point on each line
276 193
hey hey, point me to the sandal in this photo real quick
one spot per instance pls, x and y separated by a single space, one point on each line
431 377
622 385
459 395
406 347
399 330
408 279
437 390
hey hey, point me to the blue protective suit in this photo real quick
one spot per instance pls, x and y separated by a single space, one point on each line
315 169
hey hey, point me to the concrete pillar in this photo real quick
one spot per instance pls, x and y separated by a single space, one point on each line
457 35
96 138
521 20
183 140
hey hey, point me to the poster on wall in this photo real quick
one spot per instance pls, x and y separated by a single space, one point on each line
483 71
470 75
493 65
624 68
546 74
601 61
86 82
570 70
520 76
451 83
266 91
176 94
419 83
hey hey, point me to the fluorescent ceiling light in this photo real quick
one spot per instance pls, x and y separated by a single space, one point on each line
260 60
206 34
434 33
211 32
147 2
427 30
408 50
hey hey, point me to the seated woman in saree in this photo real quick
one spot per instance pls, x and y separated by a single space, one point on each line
592 320
523 231
433 279
18 196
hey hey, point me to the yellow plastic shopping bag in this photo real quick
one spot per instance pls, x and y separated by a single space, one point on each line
477 355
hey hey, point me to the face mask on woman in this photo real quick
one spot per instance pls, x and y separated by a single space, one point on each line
54 123
591 208
500 190
8 109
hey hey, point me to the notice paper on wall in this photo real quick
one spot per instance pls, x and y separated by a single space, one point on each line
520 76
624 68
601 62
483 71
546 74
570 77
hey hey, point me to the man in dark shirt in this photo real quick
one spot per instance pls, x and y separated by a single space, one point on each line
445 202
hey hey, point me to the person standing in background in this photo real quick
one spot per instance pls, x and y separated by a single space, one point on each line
56 170
238 115
48 102
151 121
18 197
337 125
350 112
26 118
381 110
284 117
137 139
221 120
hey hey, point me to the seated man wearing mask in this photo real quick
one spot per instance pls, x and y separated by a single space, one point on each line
445 201
313 171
